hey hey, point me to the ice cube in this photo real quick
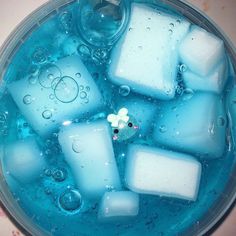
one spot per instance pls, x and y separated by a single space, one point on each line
213 83
23 160
194 123
60 92
88 151
145 58
201 51
159 172
118 205
142 111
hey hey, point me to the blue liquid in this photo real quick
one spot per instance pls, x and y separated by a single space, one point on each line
53 200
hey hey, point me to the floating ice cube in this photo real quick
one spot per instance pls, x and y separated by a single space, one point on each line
89 152
145 58
160 172
116 205
194 123
23 161
213 83
60 92
142 111
201 51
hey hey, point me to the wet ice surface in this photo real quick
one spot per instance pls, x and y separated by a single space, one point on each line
110 134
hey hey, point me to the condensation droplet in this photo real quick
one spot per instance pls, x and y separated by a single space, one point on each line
124 90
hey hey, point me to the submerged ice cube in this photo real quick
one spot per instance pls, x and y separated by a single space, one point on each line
201 51
24 161
60 92
159 172
88 151
145 58
212 83
118 205
195 123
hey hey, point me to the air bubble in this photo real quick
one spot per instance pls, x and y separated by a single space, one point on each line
32 79
188 94
182 68
84 51
27 99
47 75
66 21
66 90
83 95
221 121
78 75
59 175
124 90
162 129
47 114
40 55
70 200
77 146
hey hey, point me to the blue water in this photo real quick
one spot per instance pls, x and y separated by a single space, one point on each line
52 200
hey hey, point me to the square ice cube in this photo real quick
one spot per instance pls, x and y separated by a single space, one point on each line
24 161
194 123
212 83
146 57
201 51
60 92
89 152
159 172
116 205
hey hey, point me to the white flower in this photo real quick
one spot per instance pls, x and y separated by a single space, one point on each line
121 116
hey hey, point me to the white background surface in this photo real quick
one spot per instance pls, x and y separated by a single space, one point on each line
223 12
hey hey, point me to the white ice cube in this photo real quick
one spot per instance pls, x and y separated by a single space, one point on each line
24 161
212 83
88 151
146 57
116 205
201 51
194 123
159 172
61 92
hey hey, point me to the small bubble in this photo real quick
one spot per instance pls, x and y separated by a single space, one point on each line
70 200
83 95
77 146
48 172
51 96
172 25
78 75
124 90
162 129
170 32
27 99
221 121
66 21
130 28
148 28
47 114
140 47
59 175
40 55
182 68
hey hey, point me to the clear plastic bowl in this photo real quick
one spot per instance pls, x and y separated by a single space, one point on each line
225 202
